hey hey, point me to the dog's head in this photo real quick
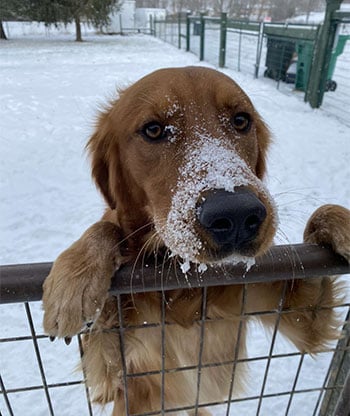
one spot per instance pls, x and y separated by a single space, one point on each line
184 149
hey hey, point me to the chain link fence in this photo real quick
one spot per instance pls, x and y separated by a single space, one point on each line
285 53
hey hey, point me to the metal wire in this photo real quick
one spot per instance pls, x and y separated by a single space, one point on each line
296 378
38 356
331 387
88 399
162 391
201 345
122 352
280 306
7 401
163 371
235 360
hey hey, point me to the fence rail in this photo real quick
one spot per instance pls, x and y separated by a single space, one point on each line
23 283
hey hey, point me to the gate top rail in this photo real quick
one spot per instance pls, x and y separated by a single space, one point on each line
23 282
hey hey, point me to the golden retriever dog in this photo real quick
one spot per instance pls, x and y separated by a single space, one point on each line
180 159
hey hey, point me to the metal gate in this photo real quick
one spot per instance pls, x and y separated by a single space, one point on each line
323 392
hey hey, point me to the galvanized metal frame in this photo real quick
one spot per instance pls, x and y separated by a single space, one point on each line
332 396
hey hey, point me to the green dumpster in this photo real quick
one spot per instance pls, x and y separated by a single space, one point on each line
304 50
279 54
338 50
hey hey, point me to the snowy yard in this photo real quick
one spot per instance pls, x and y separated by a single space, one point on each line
51 89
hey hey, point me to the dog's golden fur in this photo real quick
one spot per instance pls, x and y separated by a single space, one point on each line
145 185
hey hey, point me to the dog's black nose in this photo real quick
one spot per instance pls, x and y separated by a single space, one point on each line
232 218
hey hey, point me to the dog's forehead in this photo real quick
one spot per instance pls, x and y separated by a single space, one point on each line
190 88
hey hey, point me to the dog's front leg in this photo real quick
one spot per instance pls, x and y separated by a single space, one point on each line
309 318
77 286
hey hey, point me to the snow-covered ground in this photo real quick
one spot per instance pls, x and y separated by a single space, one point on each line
50 91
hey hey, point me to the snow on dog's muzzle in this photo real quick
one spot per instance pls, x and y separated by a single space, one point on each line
220 210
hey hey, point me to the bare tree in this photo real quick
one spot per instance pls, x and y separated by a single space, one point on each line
247 9
231 7
262 9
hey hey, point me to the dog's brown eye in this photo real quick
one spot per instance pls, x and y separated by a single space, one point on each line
241 122
153 131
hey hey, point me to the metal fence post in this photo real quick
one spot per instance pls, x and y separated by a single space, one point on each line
259 49
179 30
155 21
338 375
202 38
223 36
188 32
239 48
121 24
321 59
152 32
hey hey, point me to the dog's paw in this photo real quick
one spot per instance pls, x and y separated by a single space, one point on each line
77 286
330 225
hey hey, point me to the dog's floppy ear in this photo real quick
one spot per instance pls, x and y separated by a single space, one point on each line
264 139
98 148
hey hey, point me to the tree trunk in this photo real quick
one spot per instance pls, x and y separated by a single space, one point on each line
2 31
78 37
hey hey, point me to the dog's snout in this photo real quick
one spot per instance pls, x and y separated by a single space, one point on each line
233 219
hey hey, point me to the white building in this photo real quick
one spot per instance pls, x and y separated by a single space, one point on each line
123 19
130 18
144 15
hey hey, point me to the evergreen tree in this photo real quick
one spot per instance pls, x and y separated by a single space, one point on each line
11 10
95 12
54 12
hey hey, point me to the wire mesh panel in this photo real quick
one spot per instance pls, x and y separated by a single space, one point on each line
195 35
242 50
36 374
264 376
212 41
171 31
